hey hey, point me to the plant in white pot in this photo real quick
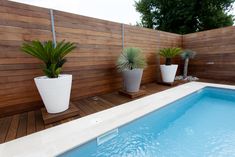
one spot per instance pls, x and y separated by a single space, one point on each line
131 63
168 70
54 88
186 55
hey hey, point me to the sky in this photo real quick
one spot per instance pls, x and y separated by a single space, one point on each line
122 11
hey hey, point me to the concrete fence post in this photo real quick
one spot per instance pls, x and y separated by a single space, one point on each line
158 58
123 34
53 27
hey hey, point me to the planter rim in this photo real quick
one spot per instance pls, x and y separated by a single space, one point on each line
169 65
61 76
133 69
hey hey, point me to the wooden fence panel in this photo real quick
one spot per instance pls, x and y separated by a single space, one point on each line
92 64
151 41
19 23
215 53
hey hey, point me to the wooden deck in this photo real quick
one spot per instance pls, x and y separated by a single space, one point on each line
23 124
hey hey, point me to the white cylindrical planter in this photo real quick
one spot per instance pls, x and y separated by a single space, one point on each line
132 79
168 72
55 92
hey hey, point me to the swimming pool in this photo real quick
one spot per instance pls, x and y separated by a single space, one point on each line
83 132
200 124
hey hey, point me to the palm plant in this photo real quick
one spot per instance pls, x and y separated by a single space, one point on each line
131 58
186 55
169 53
51 55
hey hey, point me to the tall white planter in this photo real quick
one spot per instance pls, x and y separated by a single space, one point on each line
132 79
55 92
168 72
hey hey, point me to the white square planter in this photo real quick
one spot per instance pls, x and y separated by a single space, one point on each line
55 92
132 79
168 72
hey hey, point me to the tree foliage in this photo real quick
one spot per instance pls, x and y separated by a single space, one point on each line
185 16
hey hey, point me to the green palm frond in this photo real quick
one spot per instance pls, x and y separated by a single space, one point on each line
170 52
52 56
131 58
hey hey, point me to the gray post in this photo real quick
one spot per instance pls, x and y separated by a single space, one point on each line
124 86
123 33
158 58
53 27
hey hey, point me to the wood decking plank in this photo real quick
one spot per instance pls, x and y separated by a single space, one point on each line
132 95
11 135
115 98
31 126
94 103
153 88
39 121
81 112
84 107
4 126
48 126
106 102
22 129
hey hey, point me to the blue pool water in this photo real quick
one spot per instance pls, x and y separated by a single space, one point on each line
199 125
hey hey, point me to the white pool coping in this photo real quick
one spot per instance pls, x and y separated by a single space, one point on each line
56 140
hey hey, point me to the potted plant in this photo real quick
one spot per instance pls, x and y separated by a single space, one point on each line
186 55
54 88
168 70
131 63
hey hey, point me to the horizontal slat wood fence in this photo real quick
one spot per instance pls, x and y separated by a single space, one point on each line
215 53
92 64
99 43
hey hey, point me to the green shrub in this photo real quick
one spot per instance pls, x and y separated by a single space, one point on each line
52 56
131 58
169 53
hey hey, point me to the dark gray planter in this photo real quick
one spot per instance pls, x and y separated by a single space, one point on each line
132 79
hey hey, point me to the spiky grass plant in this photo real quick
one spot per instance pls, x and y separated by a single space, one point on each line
186 55
131 58
52 56
169 53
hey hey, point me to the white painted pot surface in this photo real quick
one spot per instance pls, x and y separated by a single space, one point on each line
168 72
55 92
132 79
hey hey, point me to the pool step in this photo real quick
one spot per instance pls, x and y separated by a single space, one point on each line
107 136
